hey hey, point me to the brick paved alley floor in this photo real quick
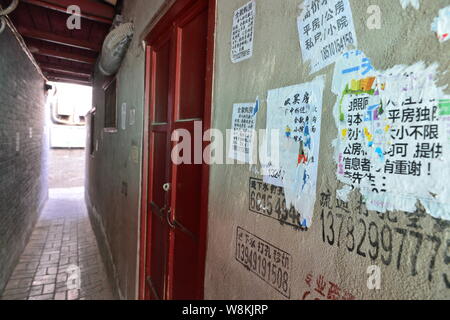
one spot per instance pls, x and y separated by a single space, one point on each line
62 239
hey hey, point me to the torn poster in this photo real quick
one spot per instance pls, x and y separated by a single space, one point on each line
441 25
243 132
295 112
393 135
325 29
414 3
243 32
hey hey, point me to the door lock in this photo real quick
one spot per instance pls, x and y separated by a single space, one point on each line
166 187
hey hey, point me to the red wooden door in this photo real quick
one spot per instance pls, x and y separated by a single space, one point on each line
176 207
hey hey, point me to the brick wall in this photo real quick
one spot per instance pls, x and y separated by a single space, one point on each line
23 151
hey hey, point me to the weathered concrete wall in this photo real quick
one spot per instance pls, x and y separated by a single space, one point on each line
404 38
114 171
23 151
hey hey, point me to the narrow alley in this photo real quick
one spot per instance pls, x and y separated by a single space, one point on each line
224 150
61 242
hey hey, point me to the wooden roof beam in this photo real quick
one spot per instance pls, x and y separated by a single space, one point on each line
53 38
95 11
64 78
64 55
65 70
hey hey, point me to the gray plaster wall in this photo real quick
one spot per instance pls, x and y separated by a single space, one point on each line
404 38
113 172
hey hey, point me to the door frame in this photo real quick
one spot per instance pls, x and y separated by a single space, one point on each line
161 26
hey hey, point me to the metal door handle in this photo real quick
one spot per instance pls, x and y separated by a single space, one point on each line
157 210
175 224
171 225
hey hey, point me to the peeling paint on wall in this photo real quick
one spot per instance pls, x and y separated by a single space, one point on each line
296 112
325 29
441 25
393 135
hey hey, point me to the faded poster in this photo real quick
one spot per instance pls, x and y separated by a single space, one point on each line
325 29
393 141
441 25
243 32
296 112
242 132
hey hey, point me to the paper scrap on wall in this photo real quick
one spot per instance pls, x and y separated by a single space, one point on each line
414 3
325 29
295 112
441 25
243 132
243 32
123 118
393 135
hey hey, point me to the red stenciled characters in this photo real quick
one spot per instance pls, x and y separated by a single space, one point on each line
308 280
333 291
347 295
320 285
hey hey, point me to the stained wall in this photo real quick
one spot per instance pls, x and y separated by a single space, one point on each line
408 269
